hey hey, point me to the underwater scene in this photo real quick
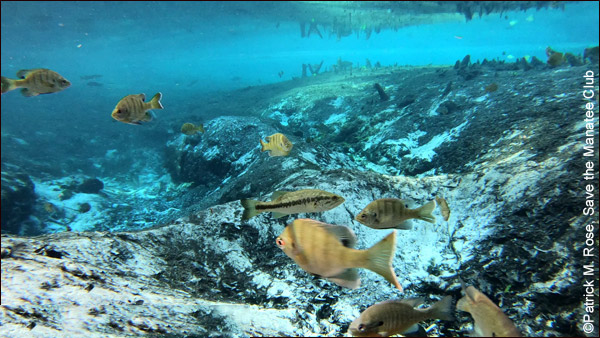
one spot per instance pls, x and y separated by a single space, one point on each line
299 169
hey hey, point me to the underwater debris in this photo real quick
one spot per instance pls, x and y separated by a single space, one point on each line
342 66
286 203
35 82
392 213
393 317
326 250
368 64
382 95
491 87
304 66
314 69
591 54
573 60
133 110
278 145
489 319
191 129
90 186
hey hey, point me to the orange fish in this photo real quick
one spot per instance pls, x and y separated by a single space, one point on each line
326 250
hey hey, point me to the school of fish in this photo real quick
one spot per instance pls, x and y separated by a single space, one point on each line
321 249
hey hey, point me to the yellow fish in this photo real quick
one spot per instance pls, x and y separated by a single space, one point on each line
35 82
132 109
489 319
326 250
293 202
278 145
388 213
397 316
191 129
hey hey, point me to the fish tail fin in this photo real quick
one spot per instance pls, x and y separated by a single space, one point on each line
442 309
425 212
155 102
264 145
380 257
200 128
8 84
249 209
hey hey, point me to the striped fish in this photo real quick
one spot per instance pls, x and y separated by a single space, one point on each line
398 316
278 145
388 213
489 319
35 82
132 109
285 203
326 250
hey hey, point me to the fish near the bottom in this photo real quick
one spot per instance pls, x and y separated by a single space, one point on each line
398 316
489 319
326 250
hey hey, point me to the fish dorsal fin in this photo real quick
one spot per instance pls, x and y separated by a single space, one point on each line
24 72
142 96
278 194
414 301
343 233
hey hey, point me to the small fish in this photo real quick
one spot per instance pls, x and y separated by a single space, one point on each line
49 207
458 37
35 82
285 203
278 145
132 109
94 84
388 213
443 207
397 316
90 77
191 129
326 250
491 87
489 319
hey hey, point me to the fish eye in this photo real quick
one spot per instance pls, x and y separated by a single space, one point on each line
279 242
363 216
361 327
406 205
374 214
380 323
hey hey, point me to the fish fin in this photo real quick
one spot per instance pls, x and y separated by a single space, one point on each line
406 225
413 329
349 279
155 101
28 93
147 117
142 97
442 309
380 257
137 123
200 128
8 84
276 194
263 144
424 212
343 233
249 208
413 301
278 214
21 74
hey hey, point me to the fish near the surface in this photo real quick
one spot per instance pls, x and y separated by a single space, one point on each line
397 316
489 319
35 82
444 208
191 129
326 250
388 213
293 202
278 145
133 110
